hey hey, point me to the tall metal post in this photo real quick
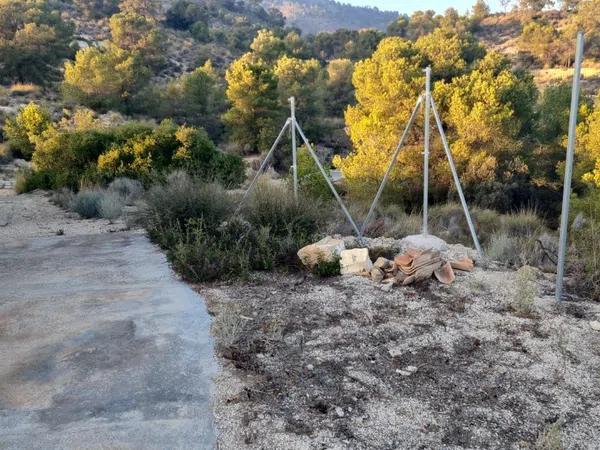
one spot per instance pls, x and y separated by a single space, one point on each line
426 152
564 220
294 148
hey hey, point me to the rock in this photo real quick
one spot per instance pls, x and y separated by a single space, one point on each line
407 371
595 325
445 274
383 263
339 411
355 261
377 274
465 264
424 242
325 250
387 285
310 367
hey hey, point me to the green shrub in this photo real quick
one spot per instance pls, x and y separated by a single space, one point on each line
274 206
310 177
180 199
28 180
585 262
526 290
326 269
111 205
27 126
63 197
522 224
194 221
86 203
130 190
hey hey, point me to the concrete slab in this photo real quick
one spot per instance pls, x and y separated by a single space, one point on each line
101 347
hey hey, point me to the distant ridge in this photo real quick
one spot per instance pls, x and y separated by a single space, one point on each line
314 16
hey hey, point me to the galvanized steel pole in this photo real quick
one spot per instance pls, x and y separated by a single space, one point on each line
294 148
564 220
426 152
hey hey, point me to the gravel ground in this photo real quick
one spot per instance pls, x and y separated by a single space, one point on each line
344 364
34 215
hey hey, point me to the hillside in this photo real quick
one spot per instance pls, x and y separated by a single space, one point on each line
313 16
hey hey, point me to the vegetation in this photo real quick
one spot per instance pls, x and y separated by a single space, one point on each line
34 40
218 75
205 240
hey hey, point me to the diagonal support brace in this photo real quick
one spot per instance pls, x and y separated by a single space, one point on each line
403 139
456 179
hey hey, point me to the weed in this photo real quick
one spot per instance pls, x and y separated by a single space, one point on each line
526 291
5 154
326 269
550 438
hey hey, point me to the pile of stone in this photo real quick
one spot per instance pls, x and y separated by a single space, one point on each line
409 266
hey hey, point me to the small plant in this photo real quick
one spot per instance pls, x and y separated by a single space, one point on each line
63 197
130 190
526 291
110 206
326 269
87 203
550 438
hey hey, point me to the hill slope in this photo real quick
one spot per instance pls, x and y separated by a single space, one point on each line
313 16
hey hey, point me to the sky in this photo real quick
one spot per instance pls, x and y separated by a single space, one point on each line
408 6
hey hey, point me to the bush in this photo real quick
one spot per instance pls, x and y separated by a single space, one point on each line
180 199
28 125
130 190
28 180
309 176
63 198
111 205
87 203
194 222
526 290
274 206
585 262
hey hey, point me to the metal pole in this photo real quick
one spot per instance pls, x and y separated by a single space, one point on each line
329 183
564 220
426 152
456 179
263 165
294 149
409 125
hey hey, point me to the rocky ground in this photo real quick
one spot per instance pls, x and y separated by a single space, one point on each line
346 363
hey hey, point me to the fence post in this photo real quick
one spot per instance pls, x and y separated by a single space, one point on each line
294 148
426 152
564 220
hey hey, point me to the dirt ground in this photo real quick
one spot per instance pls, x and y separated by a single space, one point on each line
34 215
342 363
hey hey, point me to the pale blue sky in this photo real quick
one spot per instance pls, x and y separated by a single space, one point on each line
408 6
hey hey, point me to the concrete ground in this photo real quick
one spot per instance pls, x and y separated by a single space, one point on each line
101 347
